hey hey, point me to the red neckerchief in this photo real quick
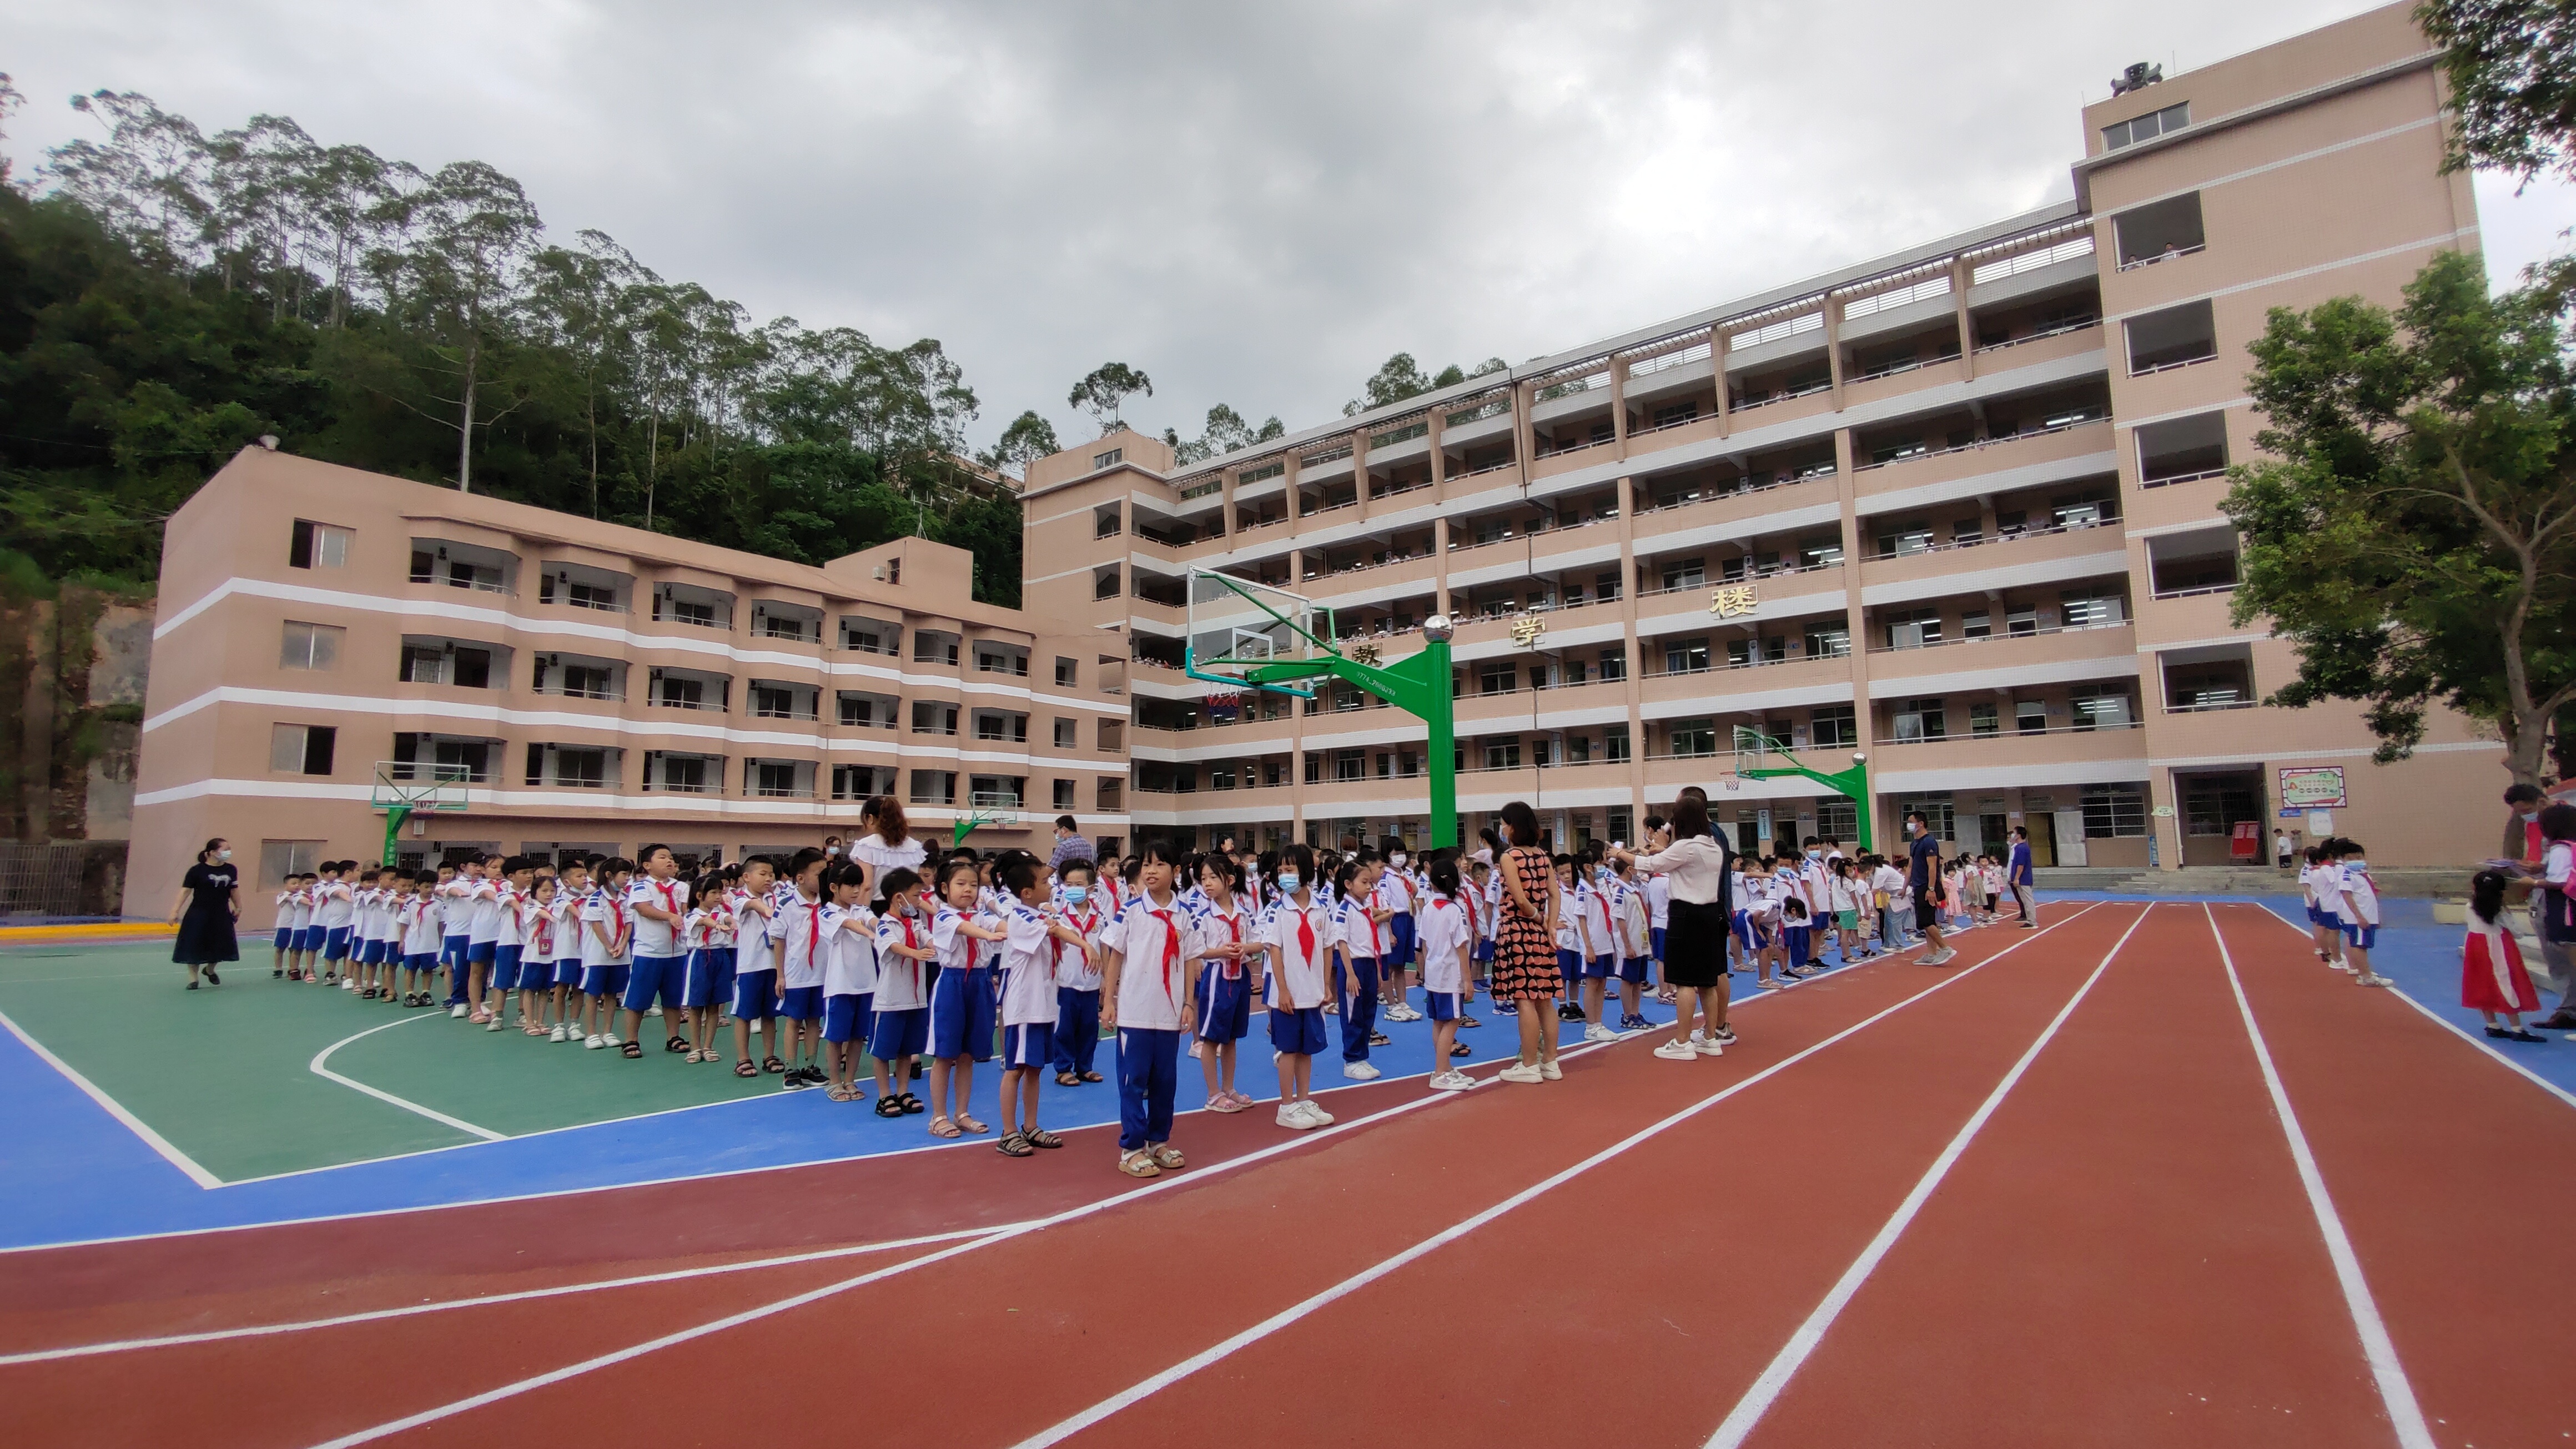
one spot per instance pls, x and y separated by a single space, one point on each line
665 888
1305 933
1233 968
1368 913
1603 898
814 931
1083 924
911 943
1171 948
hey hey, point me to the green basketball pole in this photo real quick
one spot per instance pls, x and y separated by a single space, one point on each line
1851 784
395 815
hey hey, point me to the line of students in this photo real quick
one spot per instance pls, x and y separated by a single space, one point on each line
2343 907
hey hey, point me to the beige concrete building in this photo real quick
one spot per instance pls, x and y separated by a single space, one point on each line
1956 508
327 636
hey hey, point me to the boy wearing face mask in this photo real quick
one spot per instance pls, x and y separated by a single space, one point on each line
2358 904
1395 893
1077 976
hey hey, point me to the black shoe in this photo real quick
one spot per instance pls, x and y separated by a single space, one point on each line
2499 1033
192 986
2558 1021
211 978
277 973
1379 1038
1461 1049
1468 1021
2524 1036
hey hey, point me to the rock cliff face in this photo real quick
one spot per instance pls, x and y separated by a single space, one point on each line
74 666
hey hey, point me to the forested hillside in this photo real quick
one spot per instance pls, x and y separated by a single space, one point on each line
167 296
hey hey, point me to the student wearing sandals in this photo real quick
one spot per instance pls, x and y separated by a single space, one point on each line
572 887
902 1031
1150 998
607 933
796 931
659 901
1303 932
962 1004
1077 975
1228 976
537 957
755 969
849 977
1029 944
421 939
1444 932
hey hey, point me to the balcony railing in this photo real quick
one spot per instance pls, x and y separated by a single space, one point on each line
2006 634
2000 732
2002 535
2043 431
1910 364
2176 254
2182 478
2153 368
1780 397
2205 707
2060 330
658 702
782 792
2192 593
674 787
606 694
480 586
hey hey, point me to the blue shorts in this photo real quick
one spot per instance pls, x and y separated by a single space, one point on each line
420 962
1795 937
1656 934
284 939
802 1003
1600 967
451 950
655 976
604 980
2315 917
899 1034
1400 930
335 944
505 968
480 953
568 972
2361 936
715 965
1633 970
1442 1005
847 1018
535 974
755 994
1030 1044
308 938
1225 1005
1568 964
371 953
1298 1033
1745 933
1484 950
961 1013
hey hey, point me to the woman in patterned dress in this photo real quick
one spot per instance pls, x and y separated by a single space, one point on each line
1525 974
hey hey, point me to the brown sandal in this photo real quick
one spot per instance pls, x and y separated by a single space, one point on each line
942 1127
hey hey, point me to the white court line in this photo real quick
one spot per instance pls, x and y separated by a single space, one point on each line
406 1103
2455 1029
2394 1389
368 1435
1802 1344
115 1109
414 1310
1268 1326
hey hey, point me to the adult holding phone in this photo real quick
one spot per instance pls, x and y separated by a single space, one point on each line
1698 867
206 910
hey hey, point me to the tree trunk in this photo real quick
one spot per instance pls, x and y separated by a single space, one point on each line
465 435
652 462
590 407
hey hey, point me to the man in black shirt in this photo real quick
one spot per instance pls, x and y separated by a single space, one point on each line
1924 872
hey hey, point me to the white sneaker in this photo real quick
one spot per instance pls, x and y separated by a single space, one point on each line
458 1010
348 983
1520 1072
1452 1080
2370 981
1597 1032
609 1037
1548 1069
1360 1072
557 1034
595 1042
493 1025
1678 1051
1709 1048
1315 1112
1404 1013
1291 1118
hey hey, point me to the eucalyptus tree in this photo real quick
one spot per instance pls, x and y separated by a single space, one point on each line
466 274
1105 390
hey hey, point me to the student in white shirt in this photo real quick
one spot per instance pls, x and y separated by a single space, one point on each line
1360 928
905 959
1229 974
607 936
849 977
1302 931
2323 924
659 901
572 890
755 969
1395 891
1444 931
1150 999
510 942
1030 937
1635 946
1077 974
1573 946
2358 904
482 902
421 939
963 1008
796 934
537 956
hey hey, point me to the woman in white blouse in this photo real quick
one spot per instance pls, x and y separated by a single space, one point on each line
1696 864
884 842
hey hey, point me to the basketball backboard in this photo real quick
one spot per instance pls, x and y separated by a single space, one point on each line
1238 624
419 786
1755 753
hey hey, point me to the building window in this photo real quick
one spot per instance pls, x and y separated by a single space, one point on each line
1112 735
317 546
1685 656
774 778
1614 665
1837 820
1834 725
1614 743
1110 459
1063 793
1694 737
1920 719
934 719
934 787
1831 641
2182 450
295 749
2172 337
1502 754
1064 734
1064 673
279 859
1497 678
1913 628
1685 573
2146 127
2030 716
310 646
2112 812
2101 707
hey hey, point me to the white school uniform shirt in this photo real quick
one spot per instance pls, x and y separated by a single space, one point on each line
850 948
1028 967
568 907
1160 948
796 930
1297 974
420 928
1570 935
1074 970
903 982
1601 918
483 918
2558 863
1842 895
2308 882
1442 929
1361 935
1659 901
716 923
602 909
511 929
1889 879
957 950
336 906
1480 912
1631 904
1395 892
2360 893
1818 880
753 950
1218 928
299 910
536 932
656 938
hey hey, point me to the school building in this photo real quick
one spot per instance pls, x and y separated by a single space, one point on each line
333 641
1955 509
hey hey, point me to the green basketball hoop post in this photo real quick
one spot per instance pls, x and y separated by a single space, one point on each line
1851 784
1419 685
404 788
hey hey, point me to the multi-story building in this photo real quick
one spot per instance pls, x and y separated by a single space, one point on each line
1955 508
331 640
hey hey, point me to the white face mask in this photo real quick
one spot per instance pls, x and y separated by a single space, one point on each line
1288 882
223 855
1396 860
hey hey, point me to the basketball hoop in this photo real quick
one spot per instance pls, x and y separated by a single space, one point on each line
1223 706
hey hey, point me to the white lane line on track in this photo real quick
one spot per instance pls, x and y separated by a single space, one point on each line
1802 1344
2455 1029
414 1310
2395 1391
1268 1326
116 1109
406 1103
748 1315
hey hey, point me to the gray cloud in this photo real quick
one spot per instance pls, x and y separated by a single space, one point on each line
1255 204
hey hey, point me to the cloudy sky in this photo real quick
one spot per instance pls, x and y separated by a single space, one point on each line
1254 204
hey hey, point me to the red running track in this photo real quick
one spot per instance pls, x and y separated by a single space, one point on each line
2122 1253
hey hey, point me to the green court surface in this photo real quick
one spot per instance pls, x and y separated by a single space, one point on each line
225 1073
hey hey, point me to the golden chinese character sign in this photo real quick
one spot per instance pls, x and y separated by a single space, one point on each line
1366 654
1528 630
1734 601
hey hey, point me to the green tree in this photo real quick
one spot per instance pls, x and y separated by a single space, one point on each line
1105 390
466 276
2512 71
2416 539
1400 377
10 101
1226 431
1028 438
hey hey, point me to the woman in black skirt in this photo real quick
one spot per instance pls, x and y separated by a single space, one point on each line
208 905
1699 867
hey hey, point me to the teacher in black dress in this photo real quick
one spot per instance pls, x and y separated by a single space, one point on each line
208 906
1698 866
